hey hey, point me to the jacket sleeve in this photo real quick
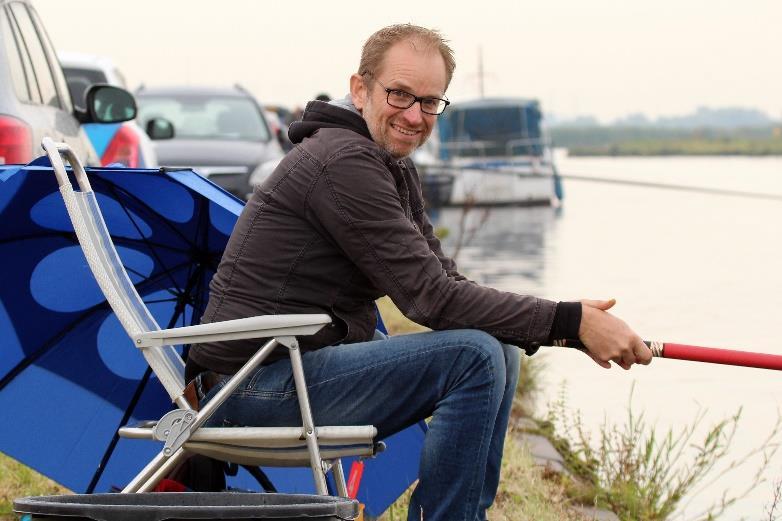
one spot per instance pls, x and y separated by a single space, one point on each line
356 201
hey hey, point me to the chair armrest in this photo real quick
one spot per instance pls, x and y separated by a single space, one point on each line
252 327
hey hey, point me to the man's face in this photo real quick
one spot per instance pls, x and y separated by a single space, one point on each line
419 72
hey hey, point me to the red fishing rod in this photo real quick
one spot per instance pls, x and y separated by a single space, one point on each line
709 355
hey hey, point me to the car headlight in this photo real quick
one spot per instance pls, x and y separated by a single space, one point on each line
263 171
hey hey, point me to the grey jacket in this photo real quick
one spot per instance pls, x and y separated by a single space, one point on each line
339 224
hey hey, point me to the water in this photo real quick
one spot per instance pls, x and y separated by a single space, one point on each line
684 267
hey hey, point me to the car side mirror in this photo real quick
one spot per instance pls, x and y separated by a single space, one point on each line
107 104
159 128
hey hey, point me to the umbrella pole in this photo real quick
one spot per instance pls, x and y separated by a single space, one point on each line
709 355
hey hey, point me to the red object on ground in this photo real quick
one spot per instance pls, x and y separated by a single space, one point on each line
354 478
169 485
722 356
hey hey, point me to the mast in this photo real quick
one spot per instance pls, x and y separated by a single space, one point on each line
480 72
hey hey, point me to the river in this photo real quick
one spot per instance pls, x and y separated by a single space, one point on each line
684 267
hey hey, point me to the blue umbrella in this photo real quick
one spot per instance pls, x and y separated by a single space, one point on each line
69 377
68 374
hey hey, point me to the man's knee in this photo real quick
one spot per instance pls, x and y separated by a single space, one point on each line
487 351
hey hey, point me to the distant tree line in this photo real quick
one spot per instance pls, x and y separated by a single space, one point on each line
623 141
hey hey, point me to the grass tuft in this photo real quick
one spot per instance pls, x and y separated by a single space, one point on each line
17 480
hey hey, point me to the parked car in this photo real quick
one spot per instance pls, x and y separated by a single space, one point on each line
125 143
34 97
220 132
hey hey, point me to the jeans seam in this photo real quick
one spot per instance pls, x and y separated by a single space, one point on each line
410 355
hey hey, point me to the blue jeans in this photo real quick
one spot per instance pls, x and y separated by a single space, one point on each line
464 379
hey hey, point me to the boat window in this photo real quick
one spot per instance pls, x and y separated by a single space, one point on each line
491 132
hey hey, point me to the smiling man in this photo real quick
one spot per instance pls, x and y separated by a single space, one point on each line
340 223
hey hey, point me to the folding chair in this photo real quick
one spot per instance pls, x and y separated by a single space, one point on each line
181 429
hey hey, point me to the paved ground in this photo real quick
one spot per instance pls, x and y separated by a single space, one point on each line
545 455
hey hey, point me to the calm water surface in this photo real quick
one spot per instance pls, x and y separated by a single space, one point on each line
684 267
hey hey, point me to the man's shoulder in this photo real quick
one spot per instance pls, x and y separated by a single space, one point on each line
333 146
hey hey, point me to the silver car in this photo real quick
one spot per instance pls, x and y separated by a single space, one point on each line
220 132
34 97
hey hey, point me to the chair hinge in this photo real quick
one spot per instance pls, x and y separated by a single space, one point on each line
174 429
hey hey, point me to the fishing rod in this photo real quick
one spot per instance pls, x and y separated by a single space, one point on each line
709 355
624 182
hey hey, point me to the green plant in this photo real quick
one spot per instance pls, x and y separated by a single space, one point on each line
776 499
643 475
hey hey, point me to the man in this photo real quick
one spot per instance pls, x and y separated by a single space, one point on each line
340 223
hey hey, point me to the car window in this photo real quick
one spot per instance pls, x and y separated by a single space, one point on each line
54 64
120 79
32 42
19 71
199 117
79 80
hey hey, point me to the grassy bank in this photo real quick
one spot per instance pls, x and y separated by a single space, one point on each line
16 480
684 147
526 492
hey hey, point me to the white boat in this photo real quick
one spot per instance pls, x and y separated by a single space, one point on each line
497 153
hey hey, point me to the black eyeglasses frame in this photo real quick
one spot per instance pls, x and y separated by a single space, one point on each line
415 99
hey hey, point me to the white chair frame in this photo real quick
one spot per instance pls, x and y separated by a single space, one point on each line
180 430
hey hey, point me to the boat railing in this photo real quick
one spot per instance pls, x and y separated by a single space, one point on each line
529 147
466 148
533 147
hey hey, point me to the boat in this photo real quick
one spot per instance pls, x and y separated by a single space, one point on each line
496 152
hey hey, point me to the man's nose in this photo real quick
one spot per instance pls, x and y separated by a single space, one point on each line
413 114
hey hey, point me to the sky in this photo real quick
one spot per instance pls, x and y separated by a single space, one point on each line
604 58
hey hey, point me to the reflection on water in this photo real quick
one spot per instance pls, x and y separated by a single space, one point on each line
500 247
684 267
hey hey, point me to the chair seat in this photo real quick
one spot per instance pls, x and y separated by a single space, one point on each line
278 446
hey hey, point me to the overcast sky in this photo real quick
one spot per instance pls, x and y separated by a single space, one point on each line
605 58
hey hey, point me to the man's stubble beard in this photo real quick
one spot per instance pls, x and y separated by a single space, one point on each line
381 137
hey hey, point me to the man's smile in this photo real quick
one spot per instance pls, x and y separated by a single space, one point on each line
405 131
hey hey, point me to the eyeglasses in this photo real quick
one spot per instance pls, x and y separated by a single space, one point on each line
401 99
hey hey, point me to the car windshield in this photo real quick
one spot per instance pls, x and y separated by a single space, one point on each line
199 117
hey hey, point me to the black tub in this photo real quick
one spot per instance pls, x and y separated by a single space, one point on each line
187 505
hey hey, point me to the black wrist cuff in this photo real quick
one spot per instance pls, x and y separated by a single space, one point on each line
567 321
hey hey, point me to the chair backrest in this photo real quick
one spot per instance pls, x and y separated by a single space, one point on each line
108 270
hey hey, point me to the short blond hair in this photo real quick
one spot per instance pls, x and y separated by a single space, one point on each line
376 46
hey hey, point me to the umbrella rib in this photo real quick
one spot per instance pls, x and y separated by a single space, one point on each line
30 359
144 207
115 191
115 439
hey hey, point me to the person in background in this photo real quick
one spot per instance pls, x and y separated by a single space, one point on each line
340 223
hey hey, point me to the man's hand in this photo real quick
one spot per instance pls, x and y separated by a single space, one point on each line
608 338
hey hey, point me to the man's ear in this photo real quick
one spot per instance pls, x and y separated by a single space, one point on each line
358 91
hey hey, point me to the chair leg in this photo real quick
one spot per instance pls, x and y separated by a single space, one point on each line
339 477
306 415
155 470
